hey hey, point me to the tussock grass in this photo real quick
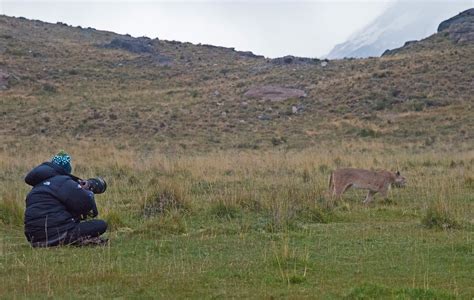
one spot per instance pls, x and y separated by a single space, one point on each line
374 291
439 215
11 210
250 224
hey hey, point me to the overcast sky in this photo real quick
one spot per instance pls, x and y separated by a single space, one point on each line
266 27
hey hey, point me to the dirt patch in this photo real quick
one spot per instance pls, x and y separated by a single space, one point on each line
274 93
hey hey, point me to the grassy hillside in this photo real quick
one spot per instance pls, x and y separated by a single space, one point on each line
213 194
64 82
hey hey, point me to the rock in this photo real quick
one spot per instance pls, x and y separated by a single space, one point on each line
459 28
462 17
407 45
294 60
264 117
297 108
216 93
274 93
324 63
134 45
249 54
4 78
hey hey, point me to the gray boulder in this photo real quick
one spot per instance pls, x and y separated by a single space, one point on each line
134 45
4 77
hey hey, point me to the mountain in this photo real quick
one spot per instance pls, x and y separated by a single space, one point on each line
401 22
60 83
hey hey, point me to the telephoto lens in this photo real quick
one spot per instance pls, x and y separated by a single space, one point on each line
97 185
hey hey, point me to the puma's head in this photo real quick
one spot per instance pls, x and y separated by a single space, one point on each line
400 181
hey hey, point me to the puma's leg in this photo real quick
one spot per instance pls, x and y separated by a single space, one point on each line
337 192
384 193
370 196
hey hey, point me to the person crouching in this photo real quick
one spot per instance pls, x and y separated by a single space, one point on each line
58 205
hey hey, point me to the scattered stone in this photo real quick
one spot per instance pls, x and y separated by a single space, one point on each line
4 78
274 93
294 109
324 63
264 117
216 93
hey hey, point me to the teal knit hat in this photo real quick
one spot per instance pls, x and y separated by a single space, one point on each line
63 160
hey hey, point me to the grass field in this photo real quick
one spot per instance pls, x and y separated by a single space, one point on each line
253 224
214 194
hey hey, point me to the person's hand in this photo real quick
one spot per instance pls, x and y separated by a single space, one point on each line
84 184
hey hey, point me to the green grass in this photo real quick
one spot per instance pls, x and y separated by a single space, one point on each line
227 260
251 225
207 200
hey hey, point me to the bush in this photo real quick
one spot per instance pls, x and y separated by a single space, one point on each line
374 291
169 196
11 212
367 132
171 223
438 216
114 220
225 211
47 87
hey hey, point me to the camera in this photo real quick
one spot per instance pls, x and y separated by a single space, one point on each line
97 185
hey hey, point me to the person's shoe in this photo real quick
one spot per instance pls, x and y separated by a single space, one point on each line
93 241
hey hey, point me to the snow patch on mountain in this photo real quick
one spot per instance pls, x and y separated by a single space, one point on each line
400 22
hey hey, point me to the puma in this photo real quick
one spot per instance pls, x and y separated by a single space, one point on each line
341 180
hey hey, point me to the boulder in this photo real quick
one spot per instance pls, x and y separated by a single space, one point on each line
4 77
134 45
294 60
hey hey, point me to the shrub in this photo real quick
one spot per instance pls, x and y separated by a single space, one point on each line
225 211
171 223
47 87
169 196
313 215
374 291
114 220
367 132
11 212
438 216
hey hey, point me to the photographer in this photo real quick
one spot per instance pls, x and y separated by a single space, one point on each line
57 204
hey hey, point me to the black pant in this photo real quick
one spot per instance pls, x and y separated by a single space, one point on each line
86 229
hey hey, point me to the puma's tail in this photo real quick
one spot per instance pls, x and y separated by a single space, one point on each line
331 182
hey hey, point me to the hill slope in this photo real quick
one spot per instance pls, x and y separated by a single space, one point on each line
78 83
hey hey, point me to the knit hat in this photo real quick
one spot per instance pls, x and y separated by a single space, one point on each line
63 160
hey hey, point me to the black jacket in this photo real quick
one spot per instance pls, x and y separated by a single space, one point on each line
54 205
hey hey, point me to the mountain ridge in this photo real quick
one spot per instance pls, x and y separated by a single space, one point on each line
400 22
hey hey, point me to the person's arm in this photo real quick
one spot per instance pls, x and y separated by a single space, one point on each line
78 201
